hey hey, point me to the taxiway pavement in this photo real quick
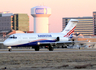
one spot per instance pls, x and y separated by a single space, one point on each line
44 50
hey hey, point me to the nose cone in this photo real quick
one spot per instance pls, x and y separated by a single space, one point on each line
6 43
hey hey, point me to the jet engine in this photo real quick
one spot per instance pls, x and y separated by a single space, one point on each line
62 39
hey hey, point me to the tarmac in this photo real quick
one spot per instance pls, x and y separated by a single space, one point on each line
59 59
46 50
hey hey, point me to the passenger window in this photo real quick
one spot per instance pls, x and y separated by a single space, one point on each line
32 37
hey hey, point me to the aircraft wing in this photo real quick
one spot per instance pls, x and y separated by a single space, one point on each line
86 44
59 43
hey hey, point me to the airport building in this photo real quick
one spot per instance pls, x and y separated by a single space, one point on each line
5 22
5 14
94 22
20 22
85 25
10 22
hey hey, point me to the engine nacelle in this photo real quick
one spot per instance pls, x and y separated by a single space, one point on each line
62 39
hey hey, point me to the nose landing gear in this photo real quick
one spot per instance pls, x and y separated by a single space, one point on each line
9 48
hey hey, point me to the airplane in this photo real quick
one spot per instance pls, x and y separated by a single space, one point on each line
42 39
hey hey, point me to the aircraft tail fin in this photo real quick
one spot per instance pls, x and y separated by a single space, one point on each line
69 29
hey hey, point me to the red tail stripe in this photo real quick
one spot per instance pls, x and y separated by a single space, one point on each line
70 32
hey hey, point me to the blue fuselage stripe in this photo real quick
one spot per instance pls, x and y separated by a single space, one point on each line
33 43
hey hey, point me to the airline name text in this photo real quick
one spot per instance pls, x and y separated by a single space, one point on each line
44 35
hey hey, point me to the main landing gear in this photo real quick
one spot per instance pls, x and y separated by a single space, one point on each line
51 48
37 48
9 48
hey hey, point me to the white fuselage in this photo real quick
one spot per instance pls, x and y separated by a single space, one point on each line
32 39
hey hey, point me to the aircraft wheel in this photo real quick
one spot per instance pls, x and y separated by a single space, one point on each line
51 48
62 46
37 48
9 50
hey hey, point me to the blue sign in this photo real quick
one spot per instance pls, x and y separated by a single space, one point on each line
41 11
44 35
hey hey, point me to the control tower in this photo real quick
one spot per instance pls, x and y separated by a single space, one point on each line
41 14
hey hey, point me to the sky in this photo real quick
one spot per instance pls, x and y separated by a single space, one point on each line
59 8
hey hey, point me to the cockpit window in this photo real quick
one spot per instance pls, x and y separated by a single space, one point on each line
13 37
